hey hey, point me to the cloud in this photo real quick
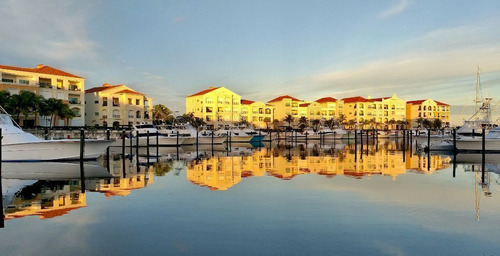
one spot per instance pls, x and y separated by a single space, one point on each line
55 31
153 77
396 9
441 64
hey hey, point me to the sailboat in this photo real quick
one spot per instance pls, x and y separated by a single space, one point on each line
482 116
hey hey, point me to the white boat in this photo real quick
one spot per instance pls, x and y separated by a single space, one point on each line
155 136
492 142
323 133
188 133
18 145
236 135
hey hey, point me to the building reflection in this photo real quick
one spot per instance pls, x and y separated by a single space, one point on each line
57 197
388 159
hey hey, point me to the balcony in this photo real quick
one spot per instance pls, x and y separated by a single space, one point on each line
74 101
116 116
45 85
104 117
73 87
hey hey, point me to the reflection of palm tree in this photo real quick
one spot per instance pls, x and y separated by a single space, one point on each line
162 168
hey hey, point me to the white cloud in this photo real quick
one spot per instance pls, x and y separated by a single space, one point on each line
52 31
396 9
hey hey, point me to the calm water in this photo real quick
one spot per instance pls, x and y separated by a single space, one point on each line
250 201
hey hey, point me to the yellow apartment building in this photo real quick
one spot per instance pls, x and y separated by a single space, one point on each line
257 113
216 173
427 109
330 107
284 106
48 82
116 105
46 203
368 112
215 105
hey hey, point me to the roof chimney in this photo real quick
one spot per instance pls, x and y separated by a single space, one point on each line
39 66
106 85
211 87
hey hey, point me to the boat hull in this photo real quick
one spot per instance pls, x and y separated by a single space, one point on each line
476 144
53 150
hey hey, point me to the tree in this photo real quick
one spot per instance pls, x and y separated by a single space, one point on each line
160 113
420 122
438 124
427 124
330 123
26 102
315 124
342 120
289 119
303 123
4 100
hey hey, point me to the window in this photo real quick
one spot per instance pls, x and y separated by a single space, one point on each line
130 101
138 114
5 80
104 101
137 102
96 113
116 102
24 81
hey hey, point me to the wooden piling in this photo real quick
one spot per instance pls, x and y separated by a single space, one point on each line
82 154
483 154
147 147
108 137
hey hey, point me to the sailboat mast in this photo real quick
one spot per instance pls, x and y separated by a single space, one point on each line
477 100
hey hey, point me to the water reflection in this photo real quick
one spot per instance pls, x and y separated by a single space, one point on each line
51 189
220 172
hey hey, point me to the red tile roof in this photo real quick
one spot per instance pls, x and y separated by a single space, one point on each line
326 99
42 69
280 98
377 99
130 92
354 99
247 102
204 91
98 89
415 102
441 103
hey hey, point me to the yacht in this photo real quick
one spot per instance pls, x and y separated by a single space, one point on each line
236 135
18 145
492 142
164 139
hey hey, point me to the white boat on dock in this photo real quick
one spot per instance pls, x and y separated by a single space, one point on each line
18 145
491 140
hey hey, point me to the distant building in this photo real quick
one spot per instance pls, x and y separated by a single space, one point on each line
368 112
259 114
427 109
284 106
215 105
113 105
48 82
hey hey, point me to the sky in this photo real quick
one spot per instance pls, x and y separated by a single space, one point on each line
263 49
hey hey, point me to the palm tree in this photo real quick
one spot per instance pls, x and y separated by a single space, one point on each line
289 119
315 123
330 122
342 120
160 113
303 123
438 123
420 122
4 100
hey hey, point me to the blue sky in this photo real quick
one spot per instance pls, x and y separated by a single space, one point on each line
263 49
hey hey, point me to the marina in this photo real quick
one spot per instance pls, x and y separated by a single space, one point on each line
316 196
